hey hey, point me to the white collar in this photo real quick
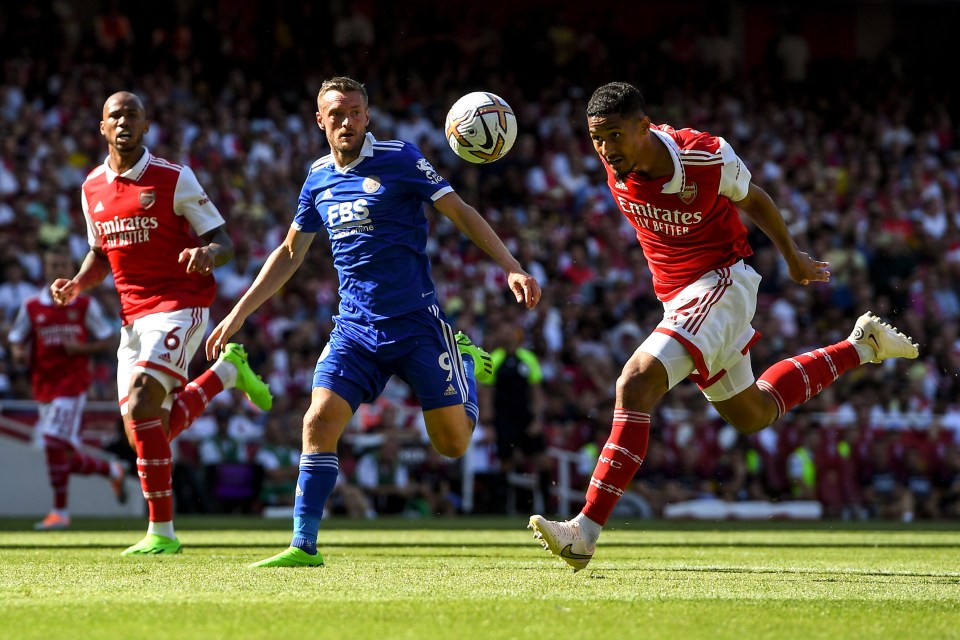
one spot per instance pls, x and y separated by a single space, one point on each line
366 151
679 178
133 172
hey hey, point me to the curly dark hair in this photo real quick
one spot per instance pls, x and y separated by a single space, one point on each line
621 98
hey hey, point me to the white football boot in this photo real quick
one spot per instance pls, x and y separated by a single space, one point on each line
562 539
885 340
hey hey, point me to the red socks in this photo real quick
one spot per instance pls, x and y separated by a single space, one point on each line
790 382
58 470
619 460
62 460
191 402
155 467
83 465
795 380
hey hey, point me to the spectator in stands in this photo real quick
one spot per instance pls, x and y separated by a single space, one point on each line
886 495
517 411
922 484
279 458
15 289
385 477
802 466
231 480
949 482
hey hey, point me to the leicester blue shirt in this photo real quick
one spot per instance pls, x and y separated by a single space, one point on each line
372 211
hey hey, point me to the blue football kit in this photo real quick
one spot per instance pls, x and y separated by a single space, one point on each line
389 322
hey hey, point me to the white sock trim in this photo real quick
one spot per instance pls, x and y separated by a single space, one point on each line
164 529
589 529
226 371
866 352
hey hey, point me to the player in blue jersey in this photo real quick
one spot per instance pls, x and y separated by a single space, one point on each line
368 195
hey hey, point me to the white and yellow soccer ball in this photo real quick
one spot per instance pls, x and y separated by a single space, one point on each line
481 127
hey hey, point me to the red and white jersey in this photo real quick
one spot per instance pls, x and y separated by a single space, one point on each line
142 219
687 223
47 327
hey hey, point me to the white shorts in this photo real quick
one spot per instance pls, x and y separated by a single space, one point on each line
161 344
705 334
61 418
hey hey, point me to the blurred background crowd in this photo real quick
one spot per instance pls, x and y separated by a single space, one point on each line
836 109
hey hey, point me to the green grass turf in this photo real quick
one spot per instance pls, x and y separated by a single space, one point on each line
485 578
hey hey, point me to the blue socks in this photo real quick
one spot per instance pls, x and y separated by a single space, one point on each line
471 406
318 475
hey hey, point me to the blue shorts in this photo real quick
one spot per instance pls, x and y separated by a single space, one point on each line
419 348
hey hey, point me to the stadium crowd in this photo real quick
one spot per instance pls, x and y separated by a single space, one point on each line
861 155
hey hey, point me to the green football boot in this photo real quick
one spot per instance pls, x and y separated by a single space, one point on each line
247 381
290 557
482 363
152 544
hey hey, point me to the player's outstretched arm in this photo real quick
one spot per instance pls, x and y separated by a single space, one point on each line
525 287
278 268
93 270
760 208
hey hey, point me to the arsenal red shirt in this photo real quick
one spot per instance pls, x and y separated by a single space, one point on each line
687 223
142 220
47 327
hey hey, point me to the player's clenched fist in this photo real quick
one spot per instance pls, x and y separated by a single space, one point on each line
64 291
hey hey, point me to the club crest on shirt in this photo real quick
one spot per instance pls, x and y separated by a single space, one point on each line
371 184
147 198
689 193
424 165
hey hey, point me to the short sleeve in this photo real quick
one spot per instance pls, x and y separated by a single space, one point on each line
21 326
93 238
734 176
422 177
191 202
307 218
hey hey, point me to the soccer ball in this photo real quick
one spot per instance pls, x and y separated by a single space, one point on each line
481 127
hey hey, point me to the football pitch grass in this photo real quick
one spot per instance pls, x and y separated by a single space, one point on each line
469 578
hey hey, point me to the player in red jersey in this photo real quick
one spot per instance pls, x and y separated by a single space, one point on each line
150 225
683 191
56 342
